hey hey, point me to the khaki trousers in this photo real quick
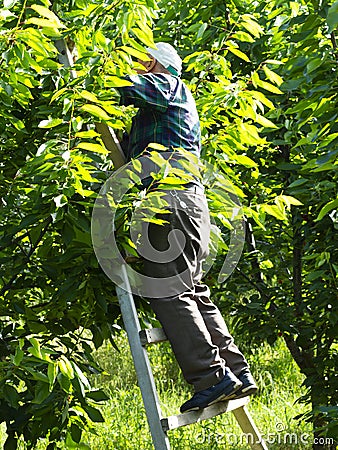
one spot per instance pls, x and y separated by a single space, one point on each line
194 326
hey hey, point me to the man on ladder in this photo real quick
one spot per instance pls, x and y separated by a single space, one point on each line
195 328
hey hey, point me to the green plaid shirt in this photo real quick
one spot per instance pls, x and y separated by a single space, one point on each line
167 113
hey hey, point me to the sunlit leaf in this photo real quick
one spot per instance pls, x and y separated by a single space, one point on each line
47 13
333 204
144 37
238 53
136 53
269 87
96 111
97 148
272 76
251 25
50 123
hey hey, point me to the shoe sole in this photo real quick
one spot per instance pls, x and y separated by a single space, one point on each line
250 390
221 398
232 394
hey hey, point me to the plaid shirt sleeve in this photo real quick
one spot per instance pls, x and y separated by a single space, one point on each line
145 92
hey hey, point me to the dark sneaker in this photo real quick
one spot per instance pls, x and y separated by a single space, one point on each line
224 390
249 386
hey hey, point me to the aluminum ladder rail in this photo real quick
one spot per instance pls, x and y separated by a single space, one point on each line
159 425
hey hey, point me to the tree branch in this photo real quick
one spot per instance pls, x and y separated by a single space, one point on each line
253 283
334 44
28 256
302 359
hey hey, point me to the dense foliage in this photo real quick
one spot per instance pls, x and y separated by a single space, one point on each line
264 75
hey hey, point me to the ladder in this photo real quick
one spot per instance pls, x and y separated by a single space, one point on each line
159 425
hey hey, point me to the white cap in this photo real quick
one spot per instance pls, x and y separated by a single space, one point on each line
167 56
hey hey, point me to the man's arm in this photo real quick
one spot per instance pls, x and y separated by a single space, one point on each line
146 91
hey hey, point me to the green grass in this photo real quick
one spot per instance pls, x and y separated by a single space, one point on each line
126 428
273 409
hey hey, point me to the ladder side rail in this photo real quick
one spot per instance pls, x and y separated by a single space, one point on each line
129 314
249 428
142 364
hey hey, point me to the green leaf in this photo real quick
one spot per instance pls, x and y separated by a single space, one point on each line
97 148
80 375
52 372
137 165
35 352
255 79
41 393
238 53
275 211
93 413
251 25
272 76
201 30
113 81
11 395
332 17
64 382
326 166
273 61
136 53
87 134
98 395
18 356
96 111
34 39
65 367
299 182
157 147
314 275
268 87
314 64
45 23
45 12
39 376
243 36
288 200
58 94
35 343
190 167
264 121
245 161
50 123
172 181
75 432
144 37
89 96
327 208
85 174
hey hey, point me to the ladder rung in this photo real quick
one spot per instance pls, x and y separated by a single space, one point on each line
172 422
152 336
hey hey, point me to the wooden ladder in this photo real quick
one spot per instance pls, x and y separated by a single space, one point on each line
159 425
